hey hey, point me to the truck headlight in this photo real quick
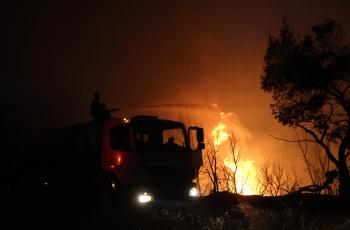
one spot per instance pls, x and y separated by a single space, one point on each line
193 192
144 198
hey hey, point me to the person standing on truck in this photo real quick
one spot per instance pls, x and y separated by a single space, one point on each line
98 110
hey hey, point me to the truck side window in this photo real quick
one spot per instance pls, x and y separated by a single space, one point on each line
146 141
119 138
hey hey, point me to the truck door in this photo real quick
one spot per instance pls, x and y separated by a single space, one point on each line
196 139
117 153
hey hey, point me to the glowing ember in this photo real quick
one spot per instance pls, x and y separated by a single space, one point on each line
244 170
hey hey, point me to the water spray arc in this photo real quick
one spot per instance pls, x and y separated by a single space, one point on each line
190 106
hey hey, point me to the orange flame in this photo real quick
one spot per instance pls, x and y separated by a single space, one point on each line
219 135
245 172
246 181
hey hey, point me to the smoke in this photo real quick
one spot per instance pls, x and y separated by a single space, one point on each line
192 114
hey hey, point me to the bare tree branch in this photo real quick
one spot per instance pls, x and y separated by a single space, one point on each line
292 141
326 148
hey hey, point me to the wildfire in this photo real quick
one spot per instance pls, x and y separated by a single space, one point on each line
219 135
243 170
245 176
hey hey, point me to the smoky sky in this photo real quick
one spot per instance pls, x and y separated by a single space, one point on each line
145 52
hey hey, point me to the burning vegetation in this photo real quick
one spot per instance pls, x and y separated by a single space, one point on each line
224 167
227 168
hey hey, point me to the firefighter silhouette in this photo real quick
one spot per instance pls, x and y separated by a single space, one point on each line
98 109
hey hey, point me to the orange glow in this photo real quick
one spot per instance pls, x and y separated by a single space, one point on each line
245 175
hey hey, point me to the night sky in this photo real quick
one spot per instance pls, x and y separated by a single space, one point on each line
145 52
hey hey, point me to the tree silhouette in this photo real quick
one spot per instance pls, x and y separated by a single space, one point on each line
211 168
275 179
309 79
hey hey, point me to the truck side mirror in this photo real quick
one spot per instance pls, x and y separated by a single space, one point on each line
196 137
201 146
200 135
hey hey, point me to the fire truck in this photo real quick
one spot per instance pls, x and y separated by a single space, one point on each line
148 157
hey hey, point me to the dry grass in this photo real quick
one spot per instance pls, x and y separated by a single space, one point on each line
248 217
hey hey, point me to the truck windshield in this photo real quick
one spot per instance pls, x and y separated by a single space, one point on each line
160 139
173 136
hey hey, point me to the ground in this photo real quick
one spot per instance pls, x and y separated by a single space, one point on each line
218 211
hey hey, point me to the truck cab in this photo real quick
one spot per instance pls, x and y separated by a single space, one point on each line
153 156
148 157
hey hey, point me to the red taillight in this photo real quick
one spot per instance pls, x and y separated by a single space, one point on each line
118 158
115 159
